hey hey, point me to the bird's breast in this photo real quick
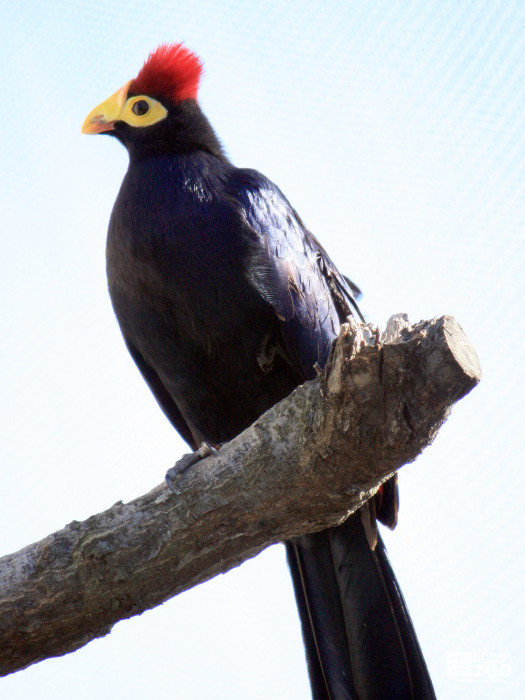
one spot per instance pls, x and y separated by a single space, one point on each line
175 252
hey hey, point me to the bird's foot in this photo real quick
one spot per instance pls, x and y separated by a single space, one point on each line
185 462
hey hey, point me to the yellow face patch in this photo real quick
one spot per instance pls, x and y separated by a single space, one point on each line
142 111
136 111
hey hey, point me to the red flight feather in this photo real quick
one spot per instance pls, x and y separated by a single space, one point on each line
171 71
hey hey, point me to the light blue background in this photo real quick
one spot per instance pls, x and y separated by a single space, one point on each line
397 129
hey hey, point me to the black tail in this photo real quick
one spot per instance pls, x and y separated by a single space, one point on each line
359 638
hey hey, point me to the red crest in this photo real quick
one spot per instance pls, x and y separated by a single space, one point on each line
171 71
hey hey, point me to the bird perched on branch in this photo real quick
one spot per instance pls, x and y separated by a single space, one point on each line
226 303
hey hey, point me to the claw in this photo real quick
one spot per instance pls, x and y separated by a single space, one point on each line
185 462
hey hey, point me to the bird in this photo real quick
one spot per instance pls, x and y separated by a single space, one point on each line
226 303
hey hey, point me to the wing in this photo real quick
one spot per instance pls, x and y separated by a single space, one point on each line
292 271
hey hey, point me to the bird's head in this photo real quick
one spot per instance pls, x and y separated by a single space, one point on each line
157 111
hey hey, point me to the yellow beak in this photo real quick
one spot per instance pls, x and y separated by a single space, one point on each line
103 117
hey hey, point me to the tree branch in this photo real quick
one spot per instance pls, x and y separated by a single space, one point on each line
304 465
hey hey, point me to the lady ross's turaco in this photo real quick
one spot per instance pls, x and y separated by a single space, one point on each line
226 303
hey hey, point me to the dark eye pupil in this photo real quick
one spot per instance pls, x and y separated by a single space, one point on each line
140 108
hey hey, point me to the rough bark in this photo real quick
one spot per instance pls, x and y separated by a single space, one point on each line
304 465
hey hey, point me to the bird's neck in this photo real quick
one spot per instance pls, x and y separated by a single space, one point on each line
186 132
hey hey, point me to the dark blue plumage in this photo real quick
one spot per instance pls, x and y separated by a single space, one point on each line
215 259
226 303
207 292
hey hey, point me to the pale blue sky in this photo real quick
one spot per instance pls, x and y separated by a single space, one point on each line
397 129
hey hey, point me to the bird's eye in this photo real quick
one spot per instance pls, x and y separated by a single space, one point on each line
140 108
